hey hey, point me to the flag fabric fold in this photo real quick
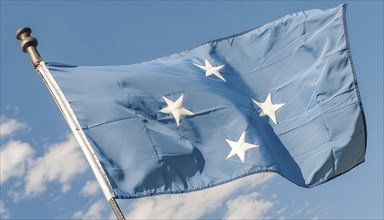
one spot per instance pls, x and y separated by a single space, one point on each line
279 98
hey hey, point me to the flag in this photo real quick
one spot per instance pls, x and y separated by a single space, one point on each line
280 98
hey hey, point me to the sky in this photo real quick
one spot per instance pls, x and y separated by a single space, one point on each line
44 174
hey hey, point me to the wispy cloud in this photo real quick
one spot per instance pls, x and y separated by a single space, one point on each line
10 126
248 206
196 204
303 208
91 188
4 213
95 211
14 158
13 108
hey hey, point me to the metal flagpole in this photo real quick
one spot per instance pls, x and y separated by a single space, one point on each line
28 45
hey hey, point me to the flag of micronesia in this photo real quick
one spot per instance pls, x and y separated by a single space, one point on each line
282 98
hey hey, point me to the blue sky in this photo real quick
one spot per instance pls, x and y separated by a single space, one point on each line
44 174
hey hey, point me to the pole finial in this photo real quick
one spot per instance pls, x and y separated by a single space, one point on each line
28 45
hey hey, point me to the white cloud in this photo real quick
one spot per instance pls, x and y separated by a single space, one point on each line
95 211
4 213
9 126
14 157
61 163
91 188
192 205
248 207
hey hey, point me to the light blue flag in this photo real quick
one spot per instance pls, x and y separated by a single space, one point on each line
279 98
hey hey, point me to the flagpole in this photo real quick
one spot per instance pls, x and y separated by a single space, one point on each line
28 45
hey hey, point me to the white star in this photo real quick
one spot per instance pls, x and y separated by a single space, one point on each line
239 147
268 108
209 69
176 108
